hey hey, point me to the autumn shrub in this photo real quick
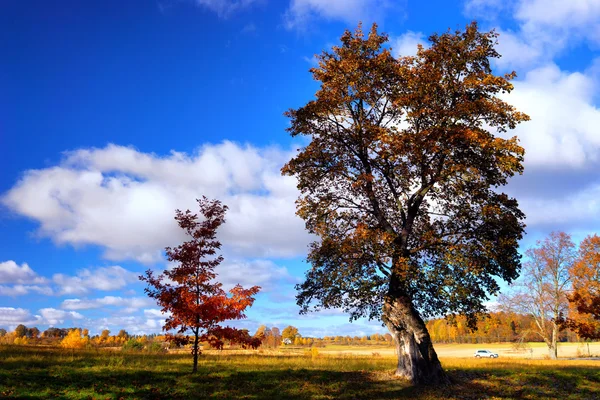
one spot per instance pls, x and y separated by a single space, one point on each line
155 347
133 345
21 340
75 340
311 352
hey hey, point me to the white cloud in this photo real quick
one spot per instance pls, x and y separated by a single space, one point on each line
519 53
132 303
52 316
11 317
559 189
302 12
407 43
545 28
263 273
103 278
154 313
563 128
21 280
565 210
540 14
560 14
124 200
20 290
11 272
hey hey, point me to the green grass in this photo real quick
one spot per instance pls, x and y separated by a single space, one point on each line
30 372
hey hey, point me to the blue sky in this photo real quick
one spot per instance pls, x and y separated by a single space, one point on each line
113 114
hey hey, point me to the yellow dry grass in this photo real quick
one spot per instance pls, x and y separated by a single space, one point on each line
530 350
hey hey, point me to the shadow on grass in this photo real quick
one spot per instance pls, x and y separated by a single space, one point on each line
515 382
90 375
282 384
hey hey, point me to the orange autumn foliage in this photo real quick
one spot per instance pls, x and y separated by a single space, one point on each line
189 294
401 180
75 339
584 316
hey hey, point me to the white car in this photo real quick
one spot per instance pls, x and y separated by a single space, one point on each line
485 353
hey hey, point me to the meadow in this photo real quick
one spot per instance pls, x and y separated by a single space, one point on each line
38 372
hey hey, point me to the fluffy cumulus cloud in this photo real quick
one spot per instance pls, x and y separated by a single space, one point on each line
553 199
302 12
11 272
407 43
539 14
22 280
153 313
564 120
52 316
573 16
519 52
21 290
19 280
545 27
132 303
124 200
102 278
11 317
263 273
578 211
559 189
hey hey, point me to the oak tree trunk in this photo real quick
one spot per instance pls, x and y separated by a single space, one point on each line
417 360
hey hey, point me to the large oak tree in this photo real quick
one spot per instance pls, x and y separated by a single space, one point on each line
401 182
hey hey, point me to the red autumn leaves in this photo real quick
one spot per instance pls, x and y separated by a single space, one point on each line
189 294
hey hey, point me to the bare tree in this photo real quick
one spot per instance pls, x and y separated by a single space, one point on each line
543 287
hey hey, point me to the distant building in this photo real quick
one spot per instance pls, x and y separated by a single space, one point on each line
287 341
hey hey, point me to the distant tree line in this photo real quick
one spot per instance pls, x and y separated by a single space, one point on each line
494 327
56 336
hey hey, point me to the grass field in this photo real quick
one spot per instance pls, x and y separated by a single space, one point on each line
34 372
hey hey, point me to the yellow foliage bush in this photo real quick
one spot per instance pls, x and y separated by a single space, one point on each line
75 340
9 338
21 340
311 352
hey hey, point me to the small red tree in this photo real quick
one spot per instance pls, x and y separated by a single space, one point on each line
189 293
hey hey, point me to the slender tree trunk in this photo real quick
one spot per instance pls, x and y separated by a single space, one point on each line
195 352
554 347
417 360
